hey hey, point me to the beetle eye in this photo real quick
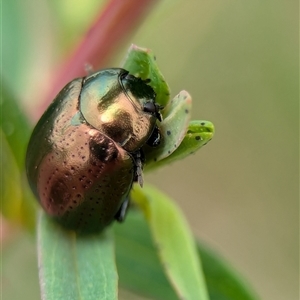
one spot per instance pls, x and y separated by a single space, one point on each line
150 107
153 109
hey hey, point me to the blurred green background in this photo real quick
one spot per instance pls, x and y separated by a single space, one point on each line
239 61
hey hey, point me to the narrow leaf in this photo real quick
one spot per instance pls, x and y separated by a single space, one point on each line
172 129
174 242
138 263
17 203
73 266
14 124
198 134
11 193
141 62
140 269
138 266
223 282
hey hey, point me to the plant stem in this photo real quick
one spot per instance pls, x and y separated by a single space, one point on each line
114 23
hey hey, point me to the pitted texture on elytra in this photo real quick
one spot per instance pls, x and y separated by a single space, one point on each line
102 148
85 152
49 133
71 175
80 185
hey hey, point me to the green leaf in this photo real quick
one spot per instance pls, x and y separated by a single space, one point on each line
175 128
223 282
18 203
141 62
174 242
11 193
140 269
15 125
138 264
198 134
172 129
72 266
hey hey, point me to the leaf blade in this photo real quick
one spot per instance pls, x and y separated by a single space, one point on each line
84 264
172 128
223 282
172 237
14 124
11 194
198 134
14 136
141 62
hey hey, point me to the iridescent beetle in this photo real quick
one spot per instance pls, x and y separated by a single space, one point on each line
85 152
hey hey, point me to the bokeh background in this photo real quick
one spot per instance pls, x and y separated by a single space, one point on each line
239 61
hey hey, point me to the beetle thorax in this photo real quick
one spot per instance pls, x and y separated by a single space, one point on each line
125 123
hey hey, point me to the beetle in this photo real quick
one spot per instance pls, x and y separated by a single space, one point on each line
85 152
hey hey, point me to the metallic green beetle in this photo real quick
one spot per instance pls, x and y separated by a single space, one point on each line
85 152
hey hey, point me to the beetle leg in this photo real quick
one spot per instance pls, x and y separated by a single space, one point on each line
121 213
139 171
155 137
139 159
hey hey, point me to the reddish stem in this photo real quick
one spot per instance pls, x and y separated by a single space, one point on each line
116 21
